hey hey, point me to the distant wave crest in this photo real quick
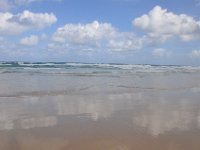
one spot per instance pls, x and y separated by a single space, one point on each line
63 67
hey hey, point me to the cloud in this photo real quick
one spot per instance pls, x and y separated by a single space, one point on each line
162 24
15 24
92 36
195 53
5 5
160 52
11 50
30 41
125 42
34 20
81 34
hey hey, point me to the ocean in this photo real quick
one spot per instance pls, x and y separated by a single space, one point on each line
82 106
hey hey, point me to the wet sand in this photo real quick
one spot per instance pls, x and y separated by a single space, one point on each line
121 112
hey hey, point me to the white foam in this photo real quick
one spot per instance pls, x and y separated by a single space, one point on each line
127 68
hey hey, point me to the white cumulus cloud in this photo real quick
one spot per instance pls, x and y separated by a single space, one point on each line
125 42
15 24
30 41
34 20
90 33
161 24
94 35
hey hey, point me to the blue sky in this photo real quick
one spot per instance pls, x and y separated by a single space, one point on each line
101 31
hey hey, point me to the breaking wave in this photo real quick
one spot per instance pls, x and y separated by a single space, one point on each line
63 67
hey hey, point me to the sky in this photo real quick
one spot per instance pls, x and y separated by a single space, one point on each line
161 32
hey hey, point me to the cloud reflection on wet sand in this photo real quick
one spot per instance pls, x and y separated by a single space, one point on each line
118 119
